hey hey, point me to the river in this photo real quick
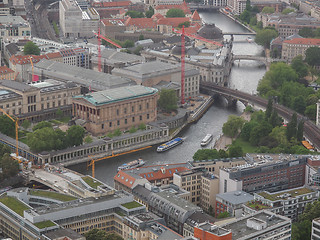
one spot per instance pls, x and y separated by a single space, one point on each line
244 77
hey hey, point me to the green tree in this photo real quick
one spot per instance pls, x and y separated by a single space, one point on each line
301 231
150 12
43 124
258 132
298 65
205 154
128 44
96 234
26 124
311 111
59 113
174 13
223 215
135 14
232 127
185 24
113 236
141 37
223 153
7 126
142 126
137 51
248 5
245 16
117 132
287 11
313 56
247 128
88 139
292 127
265 36
268 10
235 151
75 135
306 32
259 25
31 49
300 131
253 21
269 109
299 104
279 133
274 119
132 129
9 166
168 100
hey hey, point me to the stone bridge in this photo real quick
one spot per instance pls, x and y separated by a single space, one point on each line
265 60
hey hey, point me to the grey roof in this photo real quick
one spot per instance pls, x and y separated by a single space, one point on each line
13 20
118 94
200 217
85 77
23 87
64 232
167 85
12 48
169 234
236 197
116 56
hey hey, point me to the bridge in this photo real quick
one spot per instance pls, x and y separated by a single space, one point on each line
265 60
311 131
240 33
202 7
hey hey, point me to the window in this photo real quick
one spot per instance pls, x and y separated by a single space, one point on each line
147 105
118 122
148 116
140 118
140 107
132 119
125 121
110 124
117 112
125 110
102 126
132 109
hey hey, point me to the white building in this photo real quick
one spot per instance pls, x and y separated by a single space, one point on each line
237 6
315 233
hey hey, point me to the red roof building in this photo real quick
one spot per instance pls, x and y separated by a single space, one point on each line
297 46
163 9
6 73
134 24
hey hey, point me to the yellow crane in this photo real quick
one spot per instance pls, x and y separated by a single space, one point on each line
16 120
92 161
32 68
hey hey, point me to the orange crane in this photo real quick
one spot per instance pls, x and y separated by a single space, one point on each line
32 68
16 126
92 161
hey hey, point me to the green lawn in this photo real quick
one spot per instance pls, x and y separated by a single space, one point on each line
45 224
53 195
131 205
246 146
91 182
294 193
257 206
14 204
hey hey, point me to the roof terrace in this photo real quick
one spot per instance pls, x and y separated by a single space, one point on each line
285 194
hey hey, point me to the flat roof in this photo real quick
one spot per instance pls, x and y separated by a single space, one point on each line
117 94
285 194
22 87
235 197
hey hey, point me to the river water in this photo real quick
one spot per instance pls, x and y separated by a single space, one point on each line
244 77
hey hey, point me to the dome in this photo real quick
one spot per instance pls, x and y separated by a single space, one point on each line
210 31
176 50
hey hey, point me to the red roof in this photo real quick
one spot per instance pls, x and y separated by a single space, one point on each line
113 22
304 41
174 22
124 178
193 29
196 16
183 6
142 23
21 59
5 70
157 16
162 173
112 4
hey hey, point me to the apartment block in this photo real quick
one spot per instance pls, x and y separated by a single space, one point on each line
297 46
315 232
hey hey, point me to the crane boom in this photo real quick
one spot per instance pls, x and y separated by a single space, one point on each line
107 39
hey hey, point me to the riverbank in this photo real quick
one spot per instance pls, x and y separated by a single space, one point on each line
229 15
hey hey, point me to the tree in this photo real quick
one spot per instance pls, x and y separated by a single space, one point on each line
292 127
299 104
287 11
223 215
168 100
128 44
279 133
9 166
232 127
306 32
311 111
223 153
185 24
132 129
206 154
265 36
245 16
7 126
248 5
137 51
142 126
26 124
258 132
313 56
88 139
43 124
141 37
298 65
117 132
235 151
268 110
150 12
175 12
274 119
113 236
247 128
268 10
300 131
96 234
253 20
31 49
135 14
59 113
259 25
75 135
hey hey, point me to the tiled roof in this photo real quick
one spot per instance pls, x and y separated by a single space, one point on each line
124 178
21 59
183 6
174 22
193 29
141 23
164 172
157 16
196 16
304 41
5 70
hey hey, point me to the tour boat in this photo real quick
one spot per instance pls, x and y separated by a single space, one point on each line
166 146
249 39
208 138
132 164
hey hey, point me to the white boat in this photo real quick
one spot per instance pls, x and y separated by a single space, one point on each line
166 146
208 138
132 164
249 39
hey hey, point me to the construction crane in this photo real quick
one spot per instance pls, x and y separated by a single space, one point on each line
32 68
15 77
99 46
182 64
93 161
16 120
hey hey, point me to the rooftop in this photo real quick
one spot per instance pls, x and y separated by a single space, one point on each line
117 94
235 197
285 194
14 204
94 183
53 195
131 205
304 41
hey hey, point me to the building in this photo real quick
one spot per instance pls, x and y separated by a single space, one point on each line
277 5
265 172
216 3
232 202
289 203
152 73
111 58
86 78
13 27
195 220
157 175
6 73
118 108
297 46
260 225
61 233
77 19
37 101
236 6
315 232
